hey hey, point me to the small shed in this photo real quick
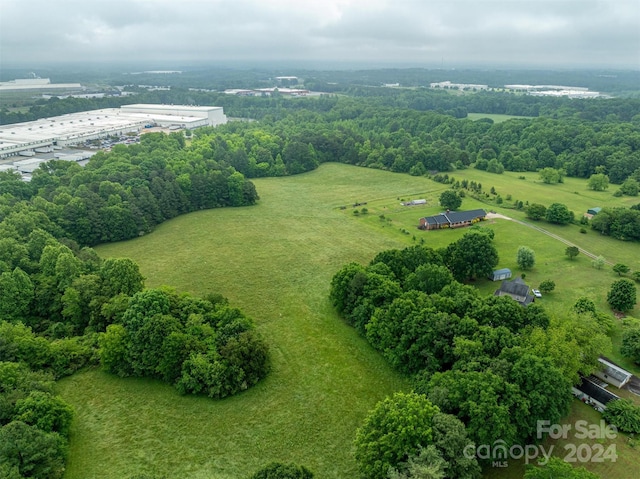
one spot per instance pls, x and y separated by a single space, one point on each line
500 274
594 211
415 202
612 373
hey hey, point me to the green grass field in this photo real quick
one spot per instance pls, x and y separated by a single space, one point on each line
496 117
573 192
275 261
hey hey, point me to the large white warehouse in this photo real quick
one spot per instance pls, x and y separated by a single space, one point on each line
32 137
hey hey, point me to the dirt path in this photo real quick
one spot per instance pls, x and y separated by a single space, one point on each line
548 233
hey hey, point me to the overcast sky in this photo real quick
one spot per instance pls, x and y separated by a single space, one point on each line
453 33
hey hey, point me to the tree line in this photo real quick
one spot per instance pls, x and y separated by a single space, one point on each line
368 132
120 194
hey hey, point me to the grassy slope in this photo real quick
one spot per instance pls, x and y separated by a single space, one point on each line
275 261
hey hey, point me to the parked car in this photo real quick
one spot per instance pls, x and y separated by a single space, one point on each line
536 293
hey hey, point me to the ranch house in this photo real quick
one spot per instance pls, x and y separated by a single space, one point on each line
452 219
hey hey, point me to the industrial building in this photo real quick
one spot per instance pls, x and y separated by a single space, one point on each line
36 84
48 134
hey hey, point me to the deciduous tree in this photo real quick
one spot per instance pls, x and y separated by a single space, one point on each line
526 258
631 344
392 431
620 268
598 182
450 199
472 256
598 263
559 214
630 187
45 411
572 251
622 295
547 286
551 175
536 211
33 452
624 414
430 278
584 305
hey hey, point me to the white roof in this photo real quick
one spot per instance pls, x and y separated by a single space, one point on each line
154 107
32 134
615 371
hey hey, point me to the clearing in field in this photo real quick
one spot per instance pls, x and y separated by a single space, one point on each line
496 117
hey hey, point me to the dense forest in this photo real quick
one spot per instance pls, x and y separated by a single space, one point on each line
398 130
494 365
405 140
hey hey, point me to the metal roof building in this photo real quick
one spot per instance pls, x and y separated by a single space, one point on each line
75 128
591 393
612 373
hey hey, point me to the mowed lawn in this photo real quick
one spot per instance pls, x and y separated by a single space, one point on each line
275 261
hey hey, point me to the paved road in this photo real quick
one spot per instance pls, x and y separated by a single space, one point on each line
548 233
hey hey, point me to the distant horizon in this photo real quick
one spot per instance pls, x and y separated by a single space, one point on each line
266 65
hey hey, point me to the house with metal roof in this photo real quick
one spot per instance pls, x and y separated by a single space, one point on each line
612 373
452 219
517 290
592 394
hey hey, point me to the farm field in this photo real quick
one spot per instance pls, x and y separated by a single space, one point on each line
275 261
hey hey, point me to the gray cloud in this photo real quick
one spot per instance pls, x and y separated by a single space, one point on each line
539 32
